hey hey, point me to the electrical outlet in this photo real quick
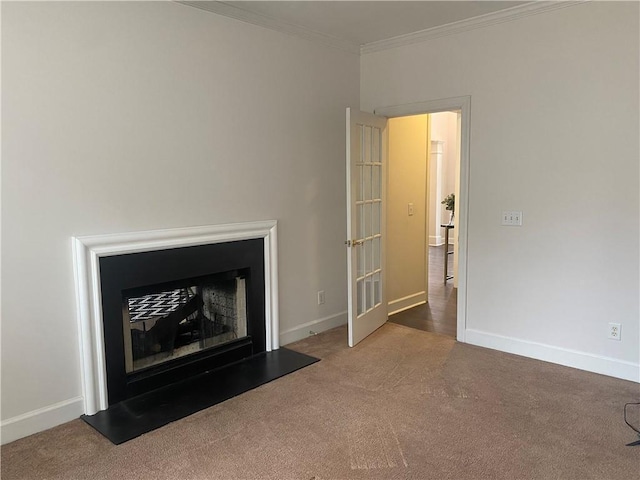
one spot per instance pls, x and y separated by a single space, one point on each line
512 218
615 331
321 297
410 209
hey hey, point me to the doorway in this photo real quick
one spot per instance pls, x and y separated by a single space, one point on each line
361 147
440 305
423 177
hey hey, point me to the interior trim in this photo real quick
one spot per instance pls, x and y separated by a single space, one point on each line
405 303
601 364
486 20
316 326
442 105
86 254
229 9
40 419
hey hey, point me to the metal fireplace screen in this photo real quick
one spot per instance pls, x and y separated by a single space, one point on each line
175 322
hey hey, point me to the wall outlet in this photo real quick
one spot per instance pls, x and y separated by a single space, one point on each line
410 209
615 331
321 297
512 218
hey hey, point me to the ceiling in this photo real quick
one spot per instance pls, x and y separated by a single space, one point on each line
351 24
363 22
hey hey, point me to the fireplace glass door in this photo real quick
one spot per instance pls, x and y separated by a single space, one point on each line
175 321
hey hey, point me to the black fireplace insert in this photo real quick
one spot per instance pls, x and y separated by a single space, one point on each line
172 314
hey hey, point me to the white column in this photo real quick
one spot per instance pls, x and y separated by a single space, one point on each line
435 193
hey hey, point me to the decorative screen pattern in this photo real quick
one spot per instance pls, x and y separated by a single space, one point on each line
169 324
368 190
158 305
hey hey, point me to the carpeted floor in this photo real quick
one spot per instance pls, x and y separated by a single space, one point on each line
403 404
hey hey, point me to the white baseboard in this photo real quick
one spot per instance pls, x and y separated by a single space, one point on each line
405 303
65 411
562 356
40 419
317 326
436 240
53 415
439 241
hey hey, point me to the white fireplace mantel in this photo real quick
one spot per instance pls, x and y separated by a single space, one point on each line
86 254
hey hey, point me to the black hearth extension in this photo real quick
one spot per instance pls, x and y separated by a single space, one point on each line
184 329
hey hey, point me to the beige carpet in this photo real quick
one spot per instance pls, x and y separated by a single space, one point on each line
402 404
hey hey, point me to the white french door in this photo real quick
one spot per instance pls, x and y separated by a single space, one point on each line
366 173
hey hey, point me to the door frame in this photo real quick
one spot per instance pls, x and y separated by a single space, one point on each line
462 208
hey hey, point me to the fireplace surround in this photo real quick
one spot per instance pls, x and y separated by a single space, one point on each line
93 254
172 314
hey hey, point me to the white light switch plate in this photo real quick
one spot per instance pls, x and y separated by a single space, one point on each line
512 218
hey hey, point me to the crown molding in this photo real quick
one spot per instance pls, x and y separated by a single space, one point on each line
228 9
502 16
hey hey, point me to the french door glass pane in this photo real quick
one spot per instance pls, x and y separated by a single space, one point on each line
376 218
359 221
367 182
366 147
367 220
368 256
375 145
359 153
376 182
376 253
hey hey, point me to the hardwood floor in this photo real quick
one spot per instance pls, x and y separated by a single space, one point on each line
439 313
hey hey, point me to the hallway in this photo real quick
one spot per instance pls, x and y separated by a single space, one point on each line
439 314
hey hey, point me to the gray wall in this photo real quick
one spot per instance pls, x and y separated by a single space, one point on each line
129 116
554 133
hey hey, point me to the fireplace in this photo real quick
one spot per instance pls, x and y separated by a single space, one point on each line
174 313
159 306
174 321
